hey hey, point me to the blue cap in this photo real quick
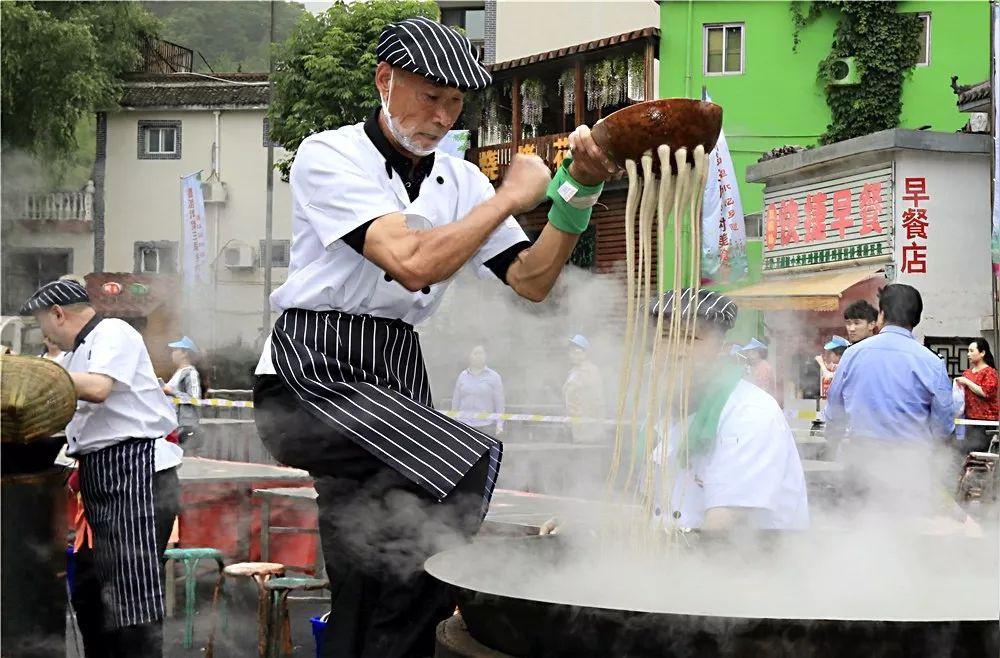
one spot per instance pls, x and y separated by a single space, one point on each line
184 343
837 342
580 342
754 344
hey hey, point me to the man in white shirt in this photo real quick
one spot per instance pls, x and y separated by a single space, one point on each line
737 463
128 482
381 222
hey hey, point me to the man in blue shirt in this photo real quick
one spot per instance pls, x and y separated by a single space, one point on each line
890 387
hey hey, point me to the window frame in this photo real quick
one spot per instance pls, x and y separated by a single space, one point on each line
167 254
926 17
142 147
704 48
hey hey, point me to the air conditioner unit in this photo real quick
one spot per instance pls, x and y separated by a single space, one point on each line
214 192
844 71
238 257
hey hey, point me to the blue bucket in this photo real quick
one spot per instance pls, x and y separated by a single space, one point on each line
70 569
318 627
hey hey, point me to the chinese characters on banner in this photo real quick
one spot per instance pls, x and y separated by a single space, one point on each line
724 236
195 247
915 223
819 224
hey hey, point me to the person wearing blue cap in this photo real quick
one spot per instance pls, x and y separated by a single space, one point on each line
583 392
185 385
833 349
759 370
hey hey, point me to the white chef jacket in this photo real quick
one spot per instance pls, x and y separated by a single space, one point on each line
339 182
136 406
754 463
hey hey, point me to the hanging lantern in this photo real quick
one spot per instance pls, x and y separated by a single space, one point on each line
139 289
112 288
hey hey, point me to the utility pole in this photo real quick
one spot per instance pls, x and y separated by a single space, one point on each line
269 207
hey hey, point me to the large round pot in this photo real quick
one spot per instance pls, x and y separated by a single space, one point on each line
524 597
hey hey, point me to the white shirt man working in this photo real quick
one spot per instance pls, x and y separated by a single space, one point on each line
740 465
128 477
380 224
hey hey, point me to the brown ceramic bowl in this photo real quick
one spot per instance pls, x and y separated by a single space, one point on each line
676 122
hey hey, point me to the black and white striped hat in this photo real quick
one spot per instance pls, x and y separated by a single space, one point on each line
63 293
717 309
437 52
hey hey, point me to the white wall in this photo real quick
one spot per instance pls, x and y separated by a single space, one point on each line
142 203
956 289
529 27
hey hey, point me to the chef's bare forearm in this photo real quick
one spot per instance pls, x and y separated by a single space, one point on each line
92 387
536 269
418 258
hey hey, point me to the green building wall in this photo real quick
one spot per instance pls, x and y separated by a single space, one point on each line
777 99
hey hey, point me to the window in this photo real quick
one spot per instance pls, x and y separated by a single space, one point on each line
471 21
26 269
924 58
724 49
159 140
753 223
158 257
279 253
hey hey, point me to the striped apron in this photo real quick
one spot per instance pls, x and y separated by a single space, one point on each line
117 488
364 378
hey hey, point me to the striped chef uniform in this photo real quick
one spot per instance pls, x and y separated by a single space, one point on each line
127 473
341 386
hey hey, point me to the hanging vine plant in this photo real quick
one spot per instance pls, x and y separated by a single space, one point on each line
532 103
885 46
636 72
606 82
567 90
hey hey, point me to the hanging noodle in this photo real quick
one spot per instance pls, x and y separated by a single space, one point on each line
656 400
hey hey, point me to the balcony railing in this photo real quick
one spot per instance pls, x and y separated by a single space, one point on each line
494 160
53 206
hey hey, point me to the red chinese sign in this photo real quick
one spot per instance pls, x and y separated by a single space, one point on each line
818 224
915 223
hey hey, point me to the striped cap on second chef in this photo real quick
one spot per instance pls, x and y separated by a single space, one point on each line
437 52
63 293
717 309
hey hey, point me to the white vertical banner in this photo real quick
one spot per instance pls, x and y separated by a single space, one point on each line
724 235
194 247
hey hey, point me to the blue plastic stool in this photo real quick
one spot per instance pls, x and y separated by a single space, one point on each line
190 558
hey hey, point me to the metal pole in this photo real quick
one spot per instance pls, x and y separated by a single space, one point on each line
269 206
994 105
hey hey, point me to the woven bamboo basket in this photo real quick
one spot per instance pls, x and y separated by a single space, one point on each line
37 399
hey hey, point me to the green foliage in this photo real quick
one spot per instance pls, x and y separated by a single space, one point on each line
885 45
324 73
60 62
230 35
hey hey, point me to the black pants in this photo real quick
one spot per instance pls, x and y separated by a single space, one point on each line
140 641
377 528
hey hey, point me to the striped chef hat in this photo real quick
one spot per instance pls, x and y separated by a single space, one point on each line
439 53
63 293
717 309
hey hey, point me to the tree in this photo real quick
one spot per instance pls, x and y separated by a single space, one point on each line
60 62
230 36
324 73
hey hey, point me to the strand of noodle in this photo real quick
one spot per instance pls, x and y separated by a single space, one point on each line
624 380
695 202
674 334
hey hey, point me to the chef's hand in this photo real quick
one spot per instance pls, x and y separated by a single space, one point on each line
525 182
591 164
550 527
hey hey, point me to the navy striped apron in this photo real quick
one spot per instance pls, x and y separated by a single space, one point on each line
364 377
117 488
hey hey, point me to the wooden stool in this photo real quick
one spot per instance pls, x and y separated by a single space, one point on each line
280 632
260 573
190 557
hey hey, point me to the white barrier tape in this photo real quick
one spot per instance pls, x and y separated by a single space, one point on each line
527 418
812 415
